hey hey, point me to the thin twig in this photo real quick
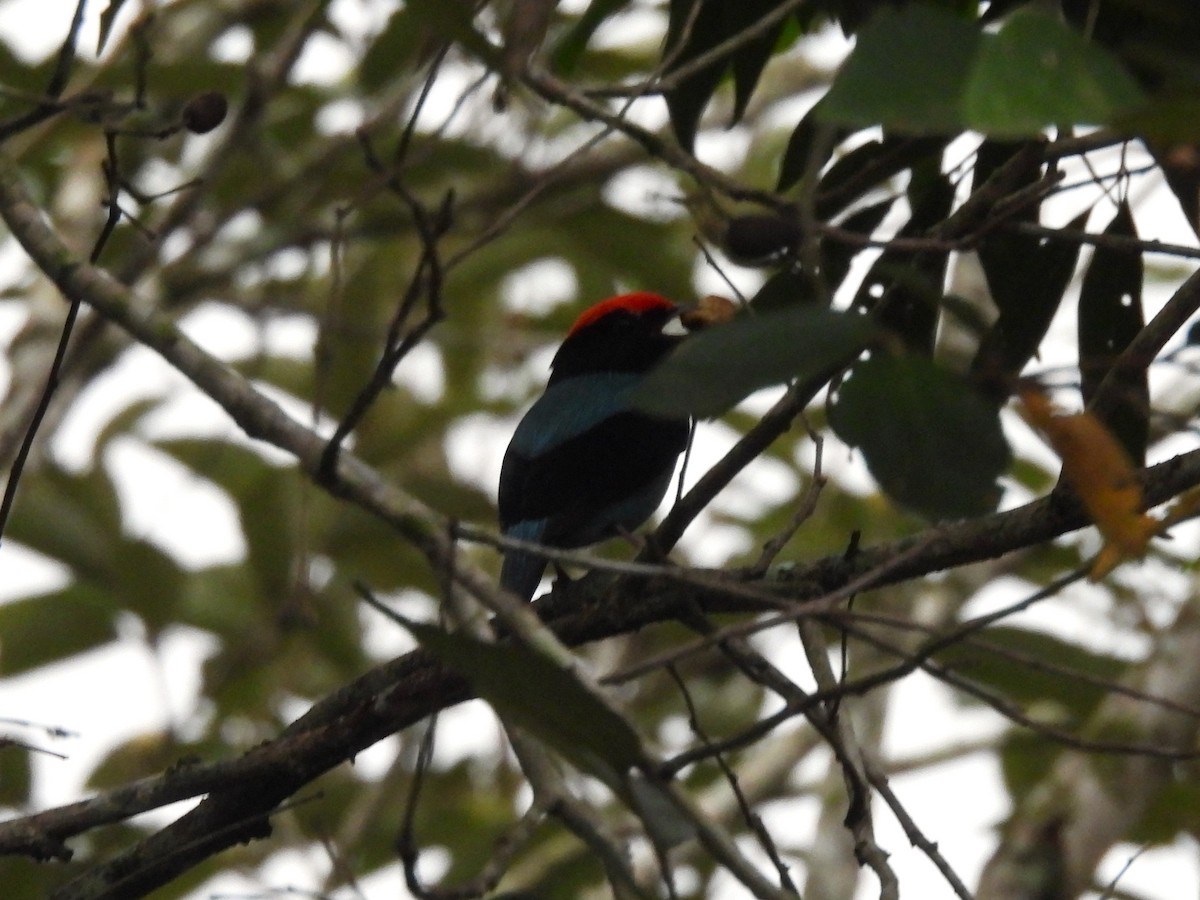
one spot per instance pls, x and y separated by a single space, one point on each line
1018 716
752 819
112 178
406 843
914 834
722 51
1027 660
848 750
426 282
1108 241
911 662
58 81
805 507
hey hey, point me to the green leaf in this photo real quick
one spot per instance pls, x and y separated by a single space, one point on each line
107 18
148 581
784 290
1025 760
1038 72
702 31
223 600
993 154
1035 73
1181 172
265 496
996 659
870 165
1028 278
717 368
836 255
794 286
908 71
903 288
75 519
458 801
1166 120
134 758
124 422
658 812
454 20
391 52
15 776
749 60
1026 275
810 145
37 631
998 9
686 102
1110 316
933 444
569 48
530 690
1174 810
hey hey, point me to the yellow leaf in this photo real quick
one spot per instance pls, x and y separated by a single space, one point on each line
1101 473
1106 560
1186 506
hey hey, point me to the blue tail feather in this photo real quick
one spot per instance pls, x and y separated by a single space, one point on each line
521 572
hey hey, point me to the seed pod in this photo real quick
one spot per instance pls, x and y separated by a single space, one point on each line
204 112
759 238
711 310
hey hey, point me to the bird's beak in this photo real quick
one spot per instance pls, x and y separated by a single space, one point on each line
712 310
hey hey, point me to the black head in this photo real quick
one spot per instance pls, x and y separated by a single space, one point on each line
629 333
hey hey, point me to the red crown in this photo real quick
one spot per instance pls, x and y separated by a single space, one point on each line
636 303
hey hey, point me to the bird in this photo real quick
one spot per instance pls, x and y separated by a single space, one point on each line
583 464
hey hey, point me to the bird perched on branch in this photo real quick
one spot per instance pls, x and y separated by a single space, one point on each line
584 465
